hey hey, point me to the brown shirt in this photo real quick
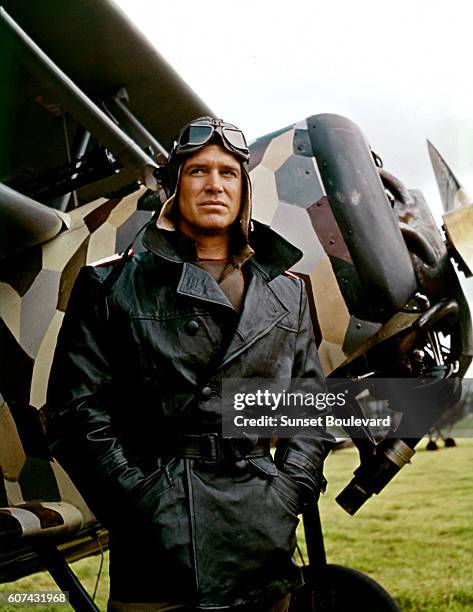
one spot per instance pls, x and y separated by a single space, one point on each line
229 276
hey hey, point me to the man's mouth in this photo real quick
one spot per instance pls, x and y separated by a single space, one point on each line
212 203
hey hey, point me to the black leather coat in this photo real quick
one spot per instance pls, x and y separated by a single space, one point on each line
140 361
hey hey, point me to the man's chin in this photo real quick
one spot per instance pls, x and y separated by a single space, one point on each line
213 225
205 229
212 229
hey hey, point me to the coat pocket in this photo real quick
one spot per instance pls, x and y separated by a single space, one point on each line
245 536
153 486
286 487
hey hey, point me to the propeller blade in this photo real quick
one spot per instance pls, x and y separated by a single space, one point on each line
452 193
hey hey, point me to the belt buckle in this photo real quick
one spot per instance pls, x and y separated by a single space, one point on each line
210 449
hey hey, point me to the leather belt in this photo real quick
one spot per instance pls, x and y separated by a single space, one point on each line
212 448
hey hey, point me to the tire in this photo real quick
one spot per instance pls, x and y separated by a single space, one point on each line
343 589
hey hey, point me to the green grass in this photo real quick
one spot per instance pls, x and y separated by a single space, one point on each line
415 538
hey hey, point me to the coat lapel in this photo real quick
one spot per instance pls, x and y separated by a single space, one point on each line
261 312
198 284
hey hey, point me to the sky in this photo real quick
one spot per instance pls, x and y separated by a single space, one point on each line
401 70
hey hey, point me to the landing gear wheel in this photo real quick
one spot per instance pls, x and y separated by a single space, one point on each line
450 442
344 589
431 445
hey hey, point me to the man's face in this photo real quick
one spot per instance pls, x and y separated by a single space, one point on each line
210 188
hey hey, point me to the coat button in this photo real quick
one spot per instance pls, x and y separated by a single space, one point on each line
206 393
192 327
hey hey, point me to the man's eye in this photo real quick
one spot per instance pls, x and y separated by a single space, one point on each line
229 172
196 171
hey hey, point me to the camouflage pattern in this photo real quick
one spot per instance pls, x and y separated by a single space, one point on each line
288 194
37 499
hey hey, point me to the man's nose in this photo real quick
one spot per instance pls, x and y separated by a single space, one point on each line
214 182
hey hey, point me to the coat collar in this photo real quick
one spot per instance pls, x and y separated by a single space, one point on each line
263 306
170 246
273 253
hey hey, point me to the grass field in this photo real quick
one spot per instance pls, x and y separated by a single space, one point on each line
415 538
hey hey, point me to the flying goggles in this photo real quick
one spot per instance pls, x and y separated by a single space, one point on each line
198 133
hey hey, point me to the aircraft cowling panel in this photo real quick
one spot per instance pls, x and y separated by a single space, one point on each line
362 210
371 248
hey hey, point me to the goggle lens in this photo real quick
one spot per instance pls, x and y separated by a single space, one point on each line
201 132
195 135
235 138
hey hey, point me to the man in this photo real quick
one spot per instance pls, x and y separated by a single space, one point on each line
196 521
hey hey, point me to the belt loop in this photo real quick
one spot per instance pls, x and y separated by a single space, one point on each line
210 449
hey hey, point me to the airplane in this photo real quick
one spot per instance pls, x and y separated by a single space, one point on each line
87 120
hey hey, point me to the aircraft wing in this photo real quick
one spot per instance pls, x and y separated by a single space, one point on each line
102 53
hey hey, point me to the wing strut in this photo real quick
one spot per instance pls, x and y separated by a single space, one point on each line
65 578
72 99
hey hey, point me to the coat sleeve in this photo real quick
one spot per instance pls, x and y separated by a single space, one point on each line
79 409
302 456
